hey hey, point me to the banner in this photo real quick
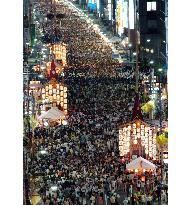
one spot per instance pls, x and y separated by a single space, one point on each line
26 36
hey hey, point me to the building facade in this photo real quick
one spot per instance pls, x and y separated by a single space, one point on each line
152 24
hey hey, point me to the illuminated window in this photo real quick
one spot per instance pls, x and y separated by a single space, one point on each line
151 6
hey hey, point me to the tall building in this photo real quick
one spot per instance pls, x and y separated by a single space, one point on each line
152 20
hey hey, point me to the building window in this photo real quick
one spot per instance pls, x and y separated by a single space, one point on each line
151 6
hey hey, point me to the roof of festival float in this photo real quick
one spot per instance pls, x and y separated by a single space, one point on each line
53 114
140 163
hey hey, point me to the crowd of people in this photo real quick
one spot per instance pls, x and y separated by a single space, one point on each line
86 169
85 45
82 158
79 163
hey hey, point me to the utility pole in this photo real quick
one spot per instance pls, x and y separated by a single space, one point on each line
137 51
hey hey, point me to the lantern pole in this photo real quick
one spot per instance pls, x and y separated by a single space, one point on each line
137 54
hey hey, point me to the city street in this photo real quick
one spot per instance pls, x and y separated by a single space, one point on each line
95 103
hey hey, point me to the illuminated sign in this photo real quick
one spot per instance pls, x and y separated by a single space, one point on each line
131 14
92 5
122 16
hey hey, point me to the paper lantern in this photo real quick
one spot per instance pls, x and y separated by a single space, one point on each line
143 177
142 132
143 138
54 96
125 129
43 96
43 90
142 127
138 135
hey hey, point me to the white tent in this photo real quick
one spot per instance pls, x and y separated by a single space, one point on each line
140 163
53 114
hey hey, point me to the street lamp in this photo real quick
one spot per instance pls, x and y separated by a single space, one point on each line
160 95
43 152
148 40
41 76
134 53
130 45
160 69
46 124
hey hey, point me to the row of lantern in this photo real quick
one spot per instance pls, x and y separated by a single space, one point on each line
59 50
131 134
56 94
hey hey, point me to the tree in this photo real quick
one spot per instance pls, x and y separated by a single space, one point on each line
162 140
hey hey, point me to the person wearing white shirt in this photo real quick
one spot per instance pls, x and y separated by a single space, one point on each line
143 199
125 201
92 200
149 200
138 185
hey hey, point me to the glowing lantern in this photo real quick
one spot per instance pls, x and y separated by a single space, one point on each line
143 178
135 132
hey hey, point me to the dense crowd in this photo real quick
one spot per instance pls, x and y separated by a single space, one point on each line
85 45
86 169
83 158
81 163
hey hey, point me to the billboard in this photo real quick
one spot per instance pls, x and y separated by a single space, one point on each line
122 16
92 5
131 14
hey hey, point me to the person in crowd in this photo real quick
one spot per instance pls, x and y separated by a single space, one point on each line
125 201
